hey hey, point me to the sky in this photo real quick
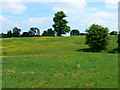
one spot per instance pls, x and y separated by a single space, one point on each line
25 14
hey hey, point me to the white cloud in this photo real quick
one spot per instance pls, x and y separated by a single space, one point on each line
113 26
112 3
93 9
2 18
42 23
41 20
73 1
33 8
13 6
104 15
66 10
101 17
70 6
5 22
104 18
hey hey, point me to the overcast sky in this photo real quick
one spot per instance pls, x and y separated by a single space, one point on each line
39 13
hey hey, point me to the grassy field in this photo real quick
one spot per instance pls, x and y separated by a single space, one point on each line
57 62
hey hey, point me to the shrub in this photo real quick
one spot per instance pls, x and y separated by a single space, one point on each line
97 37
113 33
74 32
49 32
118 42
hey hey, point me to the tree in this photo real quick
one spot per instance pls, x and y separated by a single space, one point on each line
60 24
118 42
34 31
37 31
44 33
113 33
97 37
9 33
25 34
74 32
49 32
2 35
16 32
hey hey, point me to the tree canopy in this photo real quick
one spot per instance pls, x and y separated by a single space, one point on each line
34 31
97 37
16 32
60 24
74 32
49 32
9 33
113 33
118 42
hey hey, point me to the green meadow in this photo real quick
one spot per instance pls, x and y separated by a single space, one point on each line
58 62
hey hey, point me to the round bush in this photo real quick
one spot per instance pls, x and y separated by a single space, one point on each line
118 42
97 37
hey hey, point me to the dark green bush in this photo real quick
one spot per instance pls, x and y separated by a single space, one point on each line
97 37
74 32
118 42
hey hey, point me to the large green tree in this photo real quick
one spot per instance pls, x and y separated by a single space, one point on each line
60 24
97 37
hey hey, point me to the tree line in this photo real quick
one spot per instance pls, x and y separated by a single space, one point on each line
59 27
97 36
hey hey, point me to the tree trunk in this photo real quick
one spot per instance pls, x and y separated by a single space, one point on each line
58 34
